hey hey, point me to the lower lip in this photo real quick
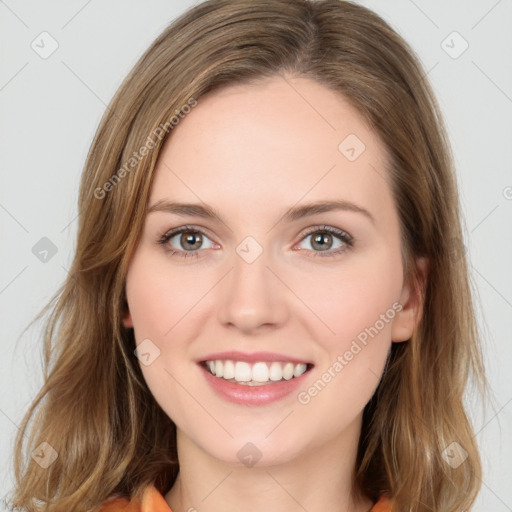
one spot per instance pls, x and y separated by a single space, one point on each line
252 395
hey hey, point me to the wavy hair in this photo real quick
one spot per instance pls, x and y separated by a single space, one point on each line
95 410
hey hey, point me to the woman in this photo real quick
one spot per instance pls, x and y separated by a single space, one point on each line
311 349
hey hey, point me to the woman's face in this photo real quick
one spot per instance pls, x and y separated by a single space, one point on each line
270 286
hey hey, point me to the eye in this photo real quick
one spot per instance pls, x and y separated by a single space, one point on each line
189 241
324 239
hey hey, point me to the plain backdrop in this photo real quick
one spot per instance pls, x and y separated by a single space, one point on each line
50 106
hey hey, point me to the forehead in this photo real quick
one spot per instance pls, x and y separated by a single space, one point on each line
274 142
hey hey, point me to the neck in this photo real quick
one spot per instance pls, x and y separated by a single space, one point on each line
316 480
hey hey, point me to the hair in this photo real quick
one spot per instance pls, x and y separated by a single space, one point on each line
95 409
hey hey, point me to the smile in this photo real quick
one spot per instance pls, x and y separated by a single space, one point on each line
255 374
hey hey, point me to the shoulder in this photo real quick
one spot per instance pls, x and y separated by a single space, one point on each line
120 505
152 501
383 505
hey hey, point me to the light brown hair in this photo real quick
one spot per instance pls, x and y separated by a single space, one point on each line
95 408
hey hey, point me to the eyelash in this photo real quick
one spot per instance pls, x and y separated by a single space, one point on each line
347 239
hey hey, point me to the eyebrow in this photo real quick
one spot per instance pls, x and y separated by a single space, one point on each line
292 214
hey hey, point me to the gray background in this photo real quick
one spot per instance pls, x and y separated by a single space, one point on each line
50 108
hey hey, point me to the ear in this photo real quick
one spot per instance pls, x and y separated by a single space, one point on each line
412 301
127 320
126 316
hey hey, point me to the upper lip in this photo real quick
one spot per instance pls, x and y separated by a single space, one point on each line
252 357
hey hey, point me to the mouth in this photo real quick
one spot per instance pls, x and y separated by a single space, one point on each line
258 373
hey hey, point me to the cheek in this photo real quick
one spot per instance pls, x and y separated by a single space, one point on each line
157 297
357 307
350 301
148 303
158 305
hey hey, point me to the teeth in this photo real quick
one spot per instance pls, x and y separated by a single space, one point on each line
229 370
288 371
276 371
257 373
299 369
242 371
260 372
219 368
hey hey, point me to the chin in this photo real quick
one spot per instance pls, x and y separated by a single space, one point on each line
253 449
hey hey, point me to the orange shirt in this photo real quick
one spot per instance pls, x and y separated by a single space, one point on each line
153 501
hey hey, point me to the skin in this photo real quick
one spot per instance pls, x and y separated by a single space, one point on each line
252 152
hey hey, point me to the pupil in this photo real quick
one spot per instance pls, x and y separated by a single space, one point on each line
321 240
189 239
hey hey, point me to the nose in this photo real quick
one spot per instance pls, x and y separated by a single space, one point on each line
252 296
